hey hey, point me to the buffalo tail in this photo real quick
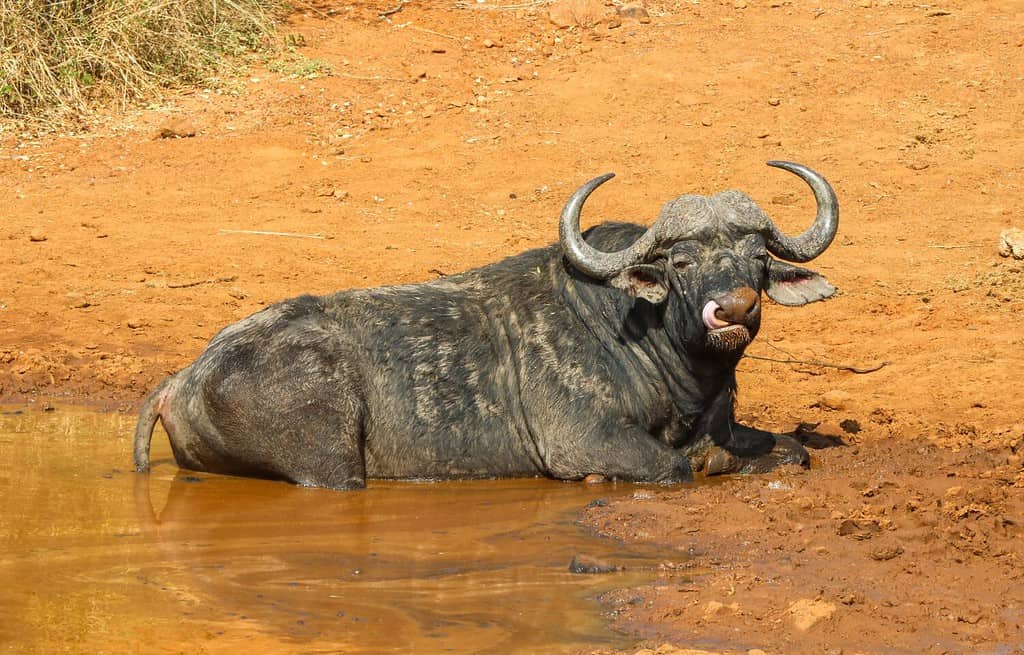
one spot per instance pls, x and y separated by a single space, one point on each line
148 415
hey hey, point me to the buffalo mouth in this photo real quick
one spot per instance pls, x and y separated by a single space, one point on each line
723 336
728 339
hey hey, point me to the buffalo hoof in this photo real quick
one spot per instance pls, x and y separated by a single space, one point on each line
786 452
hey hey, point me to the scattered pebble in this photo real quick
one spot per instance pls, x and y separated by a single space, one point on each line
806 613
1011 243
850 426
176 128
885 553
37 235
633 11
836 399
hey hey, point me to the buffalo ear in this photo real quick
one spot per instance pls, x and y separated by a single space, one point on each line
643 281
794 286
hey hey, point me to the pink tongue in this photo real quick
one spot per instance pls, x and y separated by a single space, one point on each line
710 320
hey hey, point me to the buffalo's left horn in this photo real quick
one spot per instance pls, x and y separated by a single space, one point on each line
582 255
815 239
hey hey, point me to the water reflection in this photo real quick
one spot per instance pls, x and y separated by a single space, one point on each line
94 558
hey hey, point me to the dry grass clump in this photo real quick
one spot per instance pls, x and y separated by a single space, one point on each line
57 54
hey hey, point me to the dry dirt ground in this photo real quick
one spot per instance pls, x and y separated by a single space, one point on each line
448 135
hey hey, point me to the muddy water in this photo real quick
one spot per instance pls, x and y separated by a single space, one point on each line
95 559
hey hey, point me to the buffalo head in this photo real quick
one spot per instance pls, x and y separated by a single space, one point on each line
706 260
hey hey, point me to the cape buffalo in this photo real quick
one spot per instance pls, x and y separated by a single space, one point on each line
612 352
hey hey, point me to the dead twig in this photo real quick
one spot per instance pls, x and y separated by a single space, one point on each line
526 5
372 78
186 285
394 10
274 234
841 367
426 31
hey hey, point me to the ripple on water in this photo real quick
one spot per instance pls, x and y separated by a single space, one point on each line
96 558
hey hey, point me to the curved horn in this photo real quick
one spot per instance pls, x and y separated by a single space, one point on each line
582 255
815 239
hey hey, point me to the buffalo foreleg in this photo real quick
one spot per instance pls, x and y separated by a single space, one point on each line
725 446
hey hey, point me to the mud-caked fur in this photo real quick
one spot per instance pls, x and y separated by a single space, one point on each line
526 367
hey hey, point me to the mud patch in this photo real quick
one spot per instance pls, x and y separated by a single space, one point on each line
882 539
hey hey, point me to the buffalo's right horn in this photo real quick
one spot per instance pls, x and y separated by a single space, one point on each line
586 258
815 239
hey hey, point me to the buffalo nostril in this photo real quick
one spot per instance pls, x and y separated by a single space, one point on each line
737 306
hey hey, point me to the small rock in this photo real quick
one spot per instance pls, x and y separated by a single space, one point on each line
859 529
706 121
850 426
488 43
634 11
339 194
1011 243
918 165
886 553
740 4
136 323
586 564
595 478
807 613
756 651
774 102
836 399
237 294
37 235
714 608
176 128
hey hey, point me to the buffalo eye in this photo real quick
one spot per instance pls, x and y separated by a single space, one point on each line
683 256
682 262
